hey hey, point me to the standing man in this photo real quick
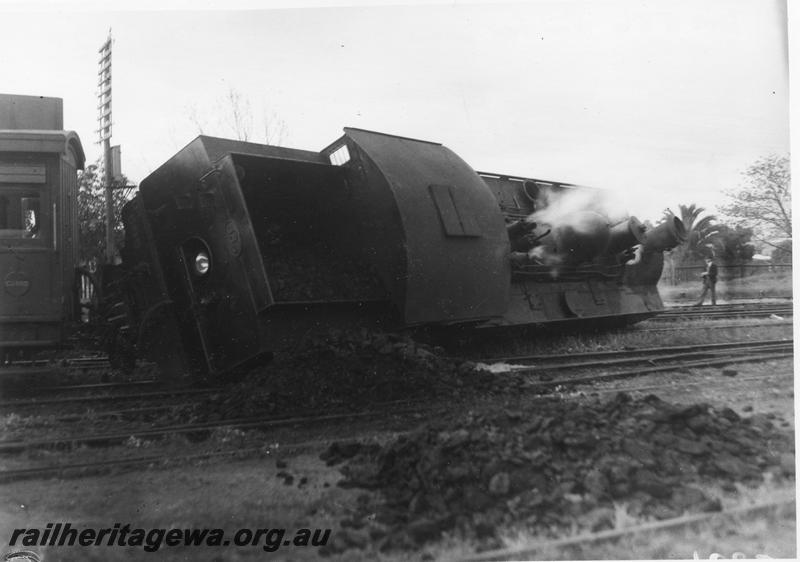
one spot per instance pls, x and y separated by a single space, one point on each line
709 282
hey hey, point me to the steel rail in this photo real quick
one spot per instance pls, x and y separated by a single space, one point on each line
42 367
740 307
241 423
710 314
770 324
106 398
674 384
728 305
628 352
780 315
97 386
98 466
86 360
86 416
651 359
60 470
699 364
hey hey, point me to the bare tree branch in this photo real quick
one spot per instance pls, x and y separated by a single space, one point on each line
764 202
233 117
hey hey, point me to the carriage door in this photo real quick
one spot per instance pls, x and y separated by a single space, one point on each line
28 257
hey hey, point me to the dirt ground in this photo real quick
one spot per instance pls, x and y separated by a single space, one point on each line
284 488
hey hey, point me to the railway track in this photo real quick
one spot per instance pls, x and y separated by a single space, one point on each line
715 352
646 328
699 356
538 370
104 398
91 387
672 385
734 310
128 413
383 411
89 374
643 370
259 422
310 421
100 466
89 365
49 366
84 361
663 356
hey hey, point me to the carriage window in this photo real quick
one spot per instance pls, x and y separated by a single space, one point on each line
21 216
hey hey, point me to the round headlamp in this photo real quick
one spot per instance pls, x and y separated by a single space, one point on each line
202 263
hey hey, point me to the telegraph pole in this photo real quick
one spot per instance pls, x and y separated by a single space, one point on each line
104 119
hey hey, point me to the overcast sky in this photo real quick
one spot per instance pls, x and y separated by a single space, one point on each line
663 102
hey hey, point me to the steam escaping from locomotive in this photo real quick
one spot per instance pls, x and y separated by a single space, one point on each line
564 207
578 226
567 228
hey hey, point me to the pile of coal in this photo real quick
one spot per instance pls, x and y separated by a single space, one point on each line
303 268
341 370
560 467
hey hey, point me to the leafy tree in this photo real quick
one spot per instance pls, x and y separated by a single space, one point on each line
732 245
92 213
763 203
782 252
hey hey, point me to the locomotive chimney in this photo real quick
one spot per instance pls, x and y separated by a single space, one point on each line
665 236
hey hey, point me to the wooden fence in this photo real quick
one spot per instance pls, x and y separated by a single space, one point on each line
692 273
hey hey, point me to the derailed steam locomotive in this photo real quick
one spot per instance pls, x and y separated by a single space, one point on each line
234 250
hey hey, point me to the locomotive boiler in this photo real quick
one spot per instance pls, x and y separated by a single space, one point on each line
234 250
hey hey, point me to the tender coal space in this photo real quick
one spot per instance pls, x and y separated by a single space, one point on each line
306 265
309 240
346 371
557 468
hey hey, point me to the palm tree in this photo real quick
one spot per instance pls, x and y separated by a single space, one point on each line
700 234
